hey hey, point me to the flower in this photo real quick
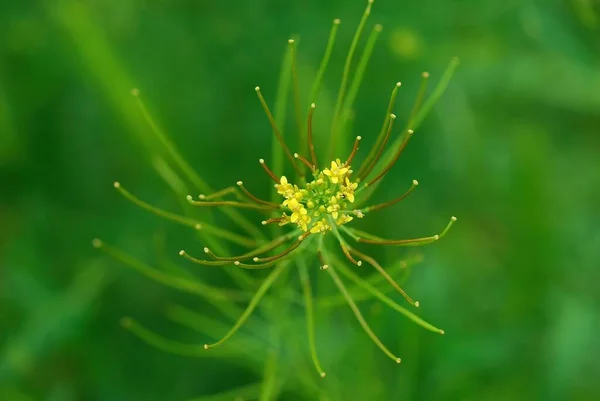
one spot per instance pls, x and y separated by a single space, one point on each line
337 173
316 212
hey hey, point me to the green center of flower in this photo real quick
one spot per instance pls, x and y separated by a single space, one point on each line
323 202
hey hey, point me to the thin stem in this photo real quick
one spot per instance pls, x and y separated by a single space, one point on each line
169 146
242 205
203 262
389 166
366 163
311 145
268 170
198 182
359 75
265 248
392 202
220 194
301 132
410 242
257 266
346 250
255 199
373 163
436 94
285 252
163 344
325 61
193 287
382 271
374 280
338 282
354 150
425 110
388 301
157 211
310 324
262 290
345 76
418 100
272 221
311 167
275 129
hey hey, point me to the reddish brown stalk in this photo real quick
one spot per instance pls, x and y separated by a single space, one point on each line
257 266
354 150
373 163
276 130
396 157
268 170
380 269
367 162
203 262
347 251
311 167
392 202
266 248
324 265
272 220
311 145
284 252
255 199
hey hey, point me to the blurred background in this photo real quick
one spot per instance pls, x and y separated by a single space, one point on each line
512 149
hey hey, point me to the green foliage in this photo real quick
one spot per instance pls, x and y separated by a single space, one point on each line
511 148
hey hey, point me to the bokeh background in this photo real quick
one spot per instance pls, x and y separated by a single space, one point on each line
512 149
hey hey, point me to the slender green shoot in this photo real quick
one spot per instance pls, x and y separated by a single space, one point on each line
388 301
179 283
380 206
296 86
418 100
276 131
280 111
366 163
385 274
410 242
310 323
171 346
186 221
361 320
375 280
367 171
436 94
262 290
359 74
314 92
335 125
401 141
196 180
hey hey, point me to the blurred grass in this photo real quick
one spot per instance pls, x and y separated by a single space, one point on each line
511 149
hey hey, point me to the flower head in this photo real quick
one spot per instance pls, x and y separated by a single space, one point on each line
315 212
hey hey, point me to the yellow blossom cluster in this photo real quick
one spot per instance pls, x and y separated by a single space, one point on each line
323 202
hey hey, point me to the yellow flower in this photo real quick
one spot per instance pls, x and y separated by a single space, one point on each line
284 188
348 190
333 207
344 218
336 173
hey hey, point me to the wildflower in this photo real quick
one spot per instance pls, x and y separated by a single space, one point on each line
319 209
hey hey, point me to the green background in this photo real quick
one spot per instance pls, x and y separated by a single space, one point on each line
512 149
